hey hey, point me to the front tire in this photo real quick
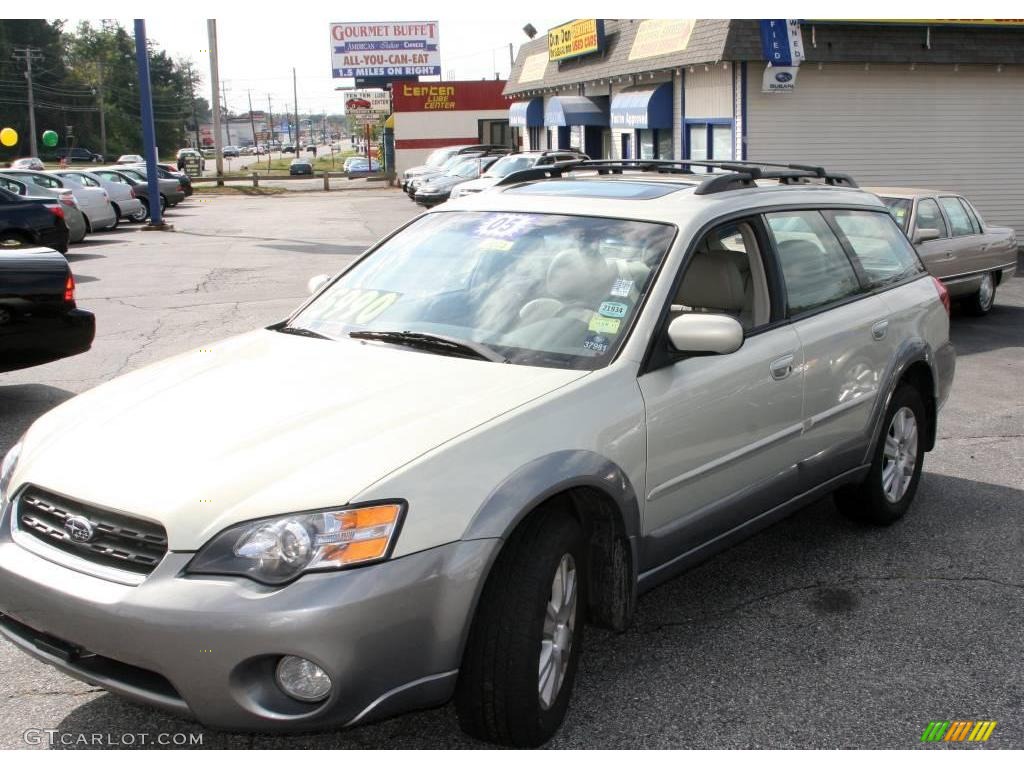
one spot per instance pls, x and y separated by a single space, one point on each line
980 304
523 649
888 491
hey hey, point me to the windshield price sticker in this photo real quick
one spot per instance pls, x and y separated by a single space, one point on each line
621 287
358 305
600 324
494 244
596 343
613 309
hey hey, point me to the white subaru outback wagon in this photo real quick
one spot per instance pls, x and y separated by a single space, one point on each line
500 424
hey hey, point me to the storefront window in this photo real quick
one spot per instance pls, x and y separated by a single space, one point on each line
721 141
665 150
698 142
645 143
627 148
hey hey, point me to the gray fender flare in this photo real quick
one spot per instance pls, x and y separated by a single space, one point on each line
911 351
533 483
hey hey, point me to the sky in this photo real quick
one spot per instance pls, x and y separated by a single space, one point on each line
256 55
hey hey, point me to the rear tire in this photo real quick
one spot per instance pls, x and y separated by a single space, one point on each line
524 645
140 215
117 218
889 488
980 304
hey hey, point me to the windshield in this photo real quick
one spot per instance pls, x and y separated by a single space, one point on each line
507 165
467 169
899 207
538 289
439 157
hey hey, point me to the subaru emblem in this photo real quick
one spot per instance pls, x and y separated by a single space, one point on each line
78 529
783 77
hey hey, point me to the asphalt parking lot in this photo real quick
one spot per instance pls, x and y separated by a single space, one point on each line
817 633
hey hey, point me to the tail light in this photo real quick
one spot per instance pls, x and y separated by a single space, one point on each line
131 191
943 293
69 289
179 189
56 209
68 198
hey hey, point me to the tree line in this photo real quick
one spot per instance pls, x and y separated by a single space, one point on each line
86 88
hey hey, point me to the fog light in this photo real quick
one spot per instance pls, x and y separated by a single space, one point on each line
302 679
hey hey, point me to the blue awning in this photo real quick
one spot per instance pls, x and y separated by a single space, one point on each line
649 107
576 110
526 114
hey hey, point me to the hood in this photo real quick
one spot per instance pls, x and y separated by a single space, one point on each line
418 170
476 185
264 424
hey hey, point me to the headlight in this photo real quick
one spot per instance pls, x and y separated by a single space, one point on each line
278 549
7 471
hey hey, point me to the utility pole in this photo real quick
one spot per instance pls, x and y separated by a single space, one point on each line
227 117
211 30
103 122
252 123
273 135
295 95
511 60
192 95
27 54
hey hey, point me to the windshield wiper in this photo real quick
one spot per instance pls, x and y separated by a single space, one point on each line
298 331
430 342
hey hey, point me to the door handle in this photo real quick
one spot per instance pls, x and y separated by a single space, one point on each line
782 367
879 329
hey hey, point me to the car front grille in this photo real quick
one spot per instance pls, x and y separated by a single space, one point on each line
96 535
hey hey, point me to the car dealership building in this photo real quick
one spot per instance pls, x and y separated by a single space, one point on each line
926 103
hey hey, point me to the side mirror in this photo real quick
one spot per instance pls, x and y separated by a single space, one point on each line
924 235
317 282
718 334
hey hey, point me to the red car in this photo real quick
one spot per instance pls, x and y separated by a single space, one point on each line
358 104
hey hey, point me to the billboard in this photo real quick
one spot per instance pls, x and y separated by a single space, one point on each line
385 49
367 100
577 38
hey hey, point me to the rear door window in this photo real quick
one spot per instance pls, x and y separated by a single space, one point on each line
975 223
929 217
814 265
877 244
958 219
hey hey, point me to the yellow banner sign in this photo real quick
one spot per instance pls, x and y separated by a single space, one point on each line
577 38
656 37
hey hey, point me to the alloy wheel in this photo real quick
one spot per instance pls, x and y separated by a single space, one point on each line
986 292
557 637
899 457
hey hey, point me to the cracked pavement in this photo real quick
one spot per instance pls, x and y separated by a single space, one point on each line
817 632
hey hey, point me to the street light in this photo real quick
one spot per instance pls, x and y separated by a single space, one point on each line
530 30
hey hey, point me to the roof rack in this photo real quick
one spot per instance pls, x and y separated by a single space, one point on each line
741 173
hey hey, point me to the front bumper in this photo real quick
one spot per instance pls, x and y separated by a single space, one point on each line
431 199
389 635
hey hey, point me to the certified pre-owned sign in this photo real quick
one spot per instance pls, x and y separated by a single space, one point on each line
385 48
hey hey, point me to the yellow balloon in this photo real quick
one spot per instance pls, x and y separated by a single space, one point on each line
8 137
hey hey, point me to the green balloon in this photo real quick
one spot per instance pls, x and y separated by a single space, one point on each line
50 138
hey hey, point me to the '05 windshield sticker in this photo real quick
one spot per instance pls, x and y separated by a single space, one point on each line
621 287
613 309
358 305
596 343
505 226
600 324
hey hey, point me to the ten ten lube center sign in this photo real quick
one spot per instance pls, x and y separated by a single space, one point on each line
385 49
